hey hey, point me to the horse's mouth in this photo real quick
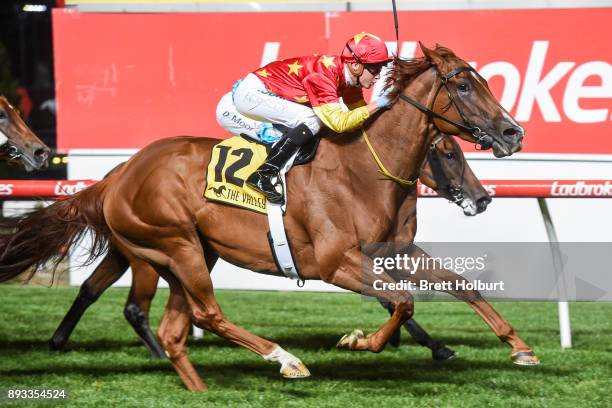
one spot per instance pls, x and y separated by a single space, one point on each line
32 164
469 207
500 150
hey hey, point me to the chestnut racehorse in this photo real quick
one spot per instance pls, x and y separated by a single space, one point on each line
153 210
17 142
445 170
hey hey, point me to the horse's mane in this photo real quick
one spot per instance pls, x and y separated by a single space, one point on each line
404 71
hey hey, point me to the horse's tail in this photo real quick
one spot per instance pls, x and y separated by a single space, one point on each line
44 235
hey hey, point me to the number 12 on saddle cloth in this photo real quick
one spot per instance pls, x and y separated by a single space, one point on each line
233 160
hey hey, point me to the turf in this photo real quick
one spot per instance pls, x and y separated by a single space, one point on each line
105 365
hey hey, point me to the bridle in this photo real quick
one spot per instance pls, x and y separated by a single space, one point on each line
11 151
8 148
440 177
482 138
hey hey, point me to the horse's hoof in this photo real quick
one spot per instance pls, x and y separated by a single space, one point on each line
525 358
294 370
442 354
349 341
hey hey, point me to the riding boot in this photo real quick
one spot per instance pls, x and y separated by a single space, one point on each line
279 154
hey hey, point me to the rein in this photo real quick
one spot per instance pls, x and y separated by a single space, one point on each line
381 168
475 131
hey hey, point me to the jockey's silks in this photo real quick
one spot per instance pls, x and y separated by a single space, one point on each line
319 81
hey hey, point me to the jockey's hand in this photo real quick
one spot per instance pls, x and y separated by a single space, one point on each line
384 101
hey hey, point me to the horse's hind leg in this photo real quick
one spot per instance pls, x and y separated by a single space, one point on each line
522 353
112 267
184 262
136 311
206 312
173 331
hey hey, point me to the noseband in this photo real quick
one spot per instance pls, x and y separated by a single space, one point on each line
11 151
482 139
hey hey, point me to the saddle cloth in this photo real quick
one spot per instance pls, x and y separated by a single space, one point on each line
233 160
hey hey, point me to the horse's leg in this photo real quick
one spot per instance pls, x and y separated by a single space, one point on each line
112 267
144 286
350 275
173 331
136 311
186 262
439 351
522 353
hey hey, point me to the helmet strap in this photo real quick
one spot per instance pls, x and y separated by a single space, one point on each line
356 72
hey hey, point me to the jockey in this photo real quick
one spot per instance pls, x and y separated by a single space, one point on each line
302 94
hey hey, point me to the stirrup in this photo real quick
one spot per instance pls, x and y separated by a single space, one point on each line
263 184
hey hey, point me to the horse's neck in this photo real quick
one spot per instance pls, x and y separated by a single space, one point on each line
399 136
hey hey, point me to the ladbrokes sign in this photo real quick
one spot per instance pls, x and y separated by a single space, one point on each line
159 75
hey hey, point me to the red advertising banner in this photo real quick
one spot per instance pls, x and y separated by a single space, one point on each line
124 80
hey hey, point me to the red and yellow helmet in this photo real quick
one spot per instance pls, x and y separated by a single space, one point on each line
365 48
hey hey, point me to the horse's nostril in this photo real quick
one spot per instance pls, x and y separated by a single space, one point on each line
41 154
482 203
512 131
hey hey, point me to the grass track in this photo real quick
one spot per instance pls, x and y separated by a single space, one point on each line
105 366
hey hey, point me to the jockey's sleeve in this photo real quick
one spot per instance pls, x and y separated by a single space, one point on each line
323 96
353 98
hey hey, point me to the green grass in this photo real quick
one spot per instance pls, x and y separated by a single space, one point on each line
105 365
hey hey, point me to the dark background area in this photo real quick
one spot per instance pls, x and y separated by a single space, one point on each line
27 77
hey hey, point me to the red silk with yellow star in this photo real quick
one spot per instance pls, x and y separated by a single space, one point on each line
314 80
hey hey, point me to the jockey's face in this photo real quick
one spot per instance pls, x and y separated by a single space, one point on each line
368 78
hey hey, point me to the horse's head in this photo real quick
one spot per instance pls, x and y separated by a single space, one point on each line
18 142
464 97
448 173
456 99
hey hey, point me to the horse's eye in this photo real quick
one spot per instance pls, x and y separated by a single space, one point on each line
3 115
450 156
463 87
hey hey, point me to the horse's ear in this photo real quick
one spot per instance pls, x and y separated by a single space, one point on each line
431 55
423 48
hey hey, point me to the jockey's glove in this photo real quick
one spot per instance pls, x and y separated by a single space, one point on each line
384 101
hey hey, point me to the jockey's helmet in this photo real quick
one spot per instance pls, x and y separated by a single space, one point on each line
365 48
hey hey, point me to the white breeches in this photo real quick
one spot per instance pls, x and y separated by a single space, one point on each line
254 101
233 121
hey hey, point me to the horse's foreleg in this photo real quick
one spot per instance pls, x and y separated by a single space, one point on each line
354 276
136 311
522 353
112 267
